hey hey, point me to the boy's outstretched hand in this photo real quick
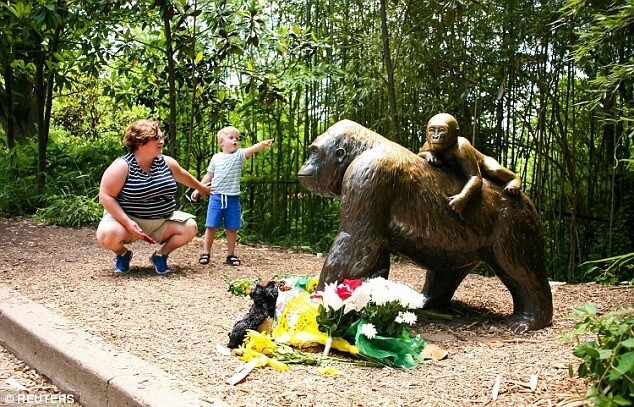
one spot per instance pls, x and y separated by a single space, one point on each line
257 147
195 195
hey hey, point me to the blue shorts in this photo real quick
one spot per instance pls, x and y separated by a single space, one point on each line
224 207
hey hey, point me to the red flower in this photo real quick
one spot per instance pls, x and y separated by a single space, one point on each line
353 284
345 289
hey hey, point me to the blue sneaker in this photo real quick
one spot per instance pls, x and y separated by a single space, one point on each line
122 263
160 263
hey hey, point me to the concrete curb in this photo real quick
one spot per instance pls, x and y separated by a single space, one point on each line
84 365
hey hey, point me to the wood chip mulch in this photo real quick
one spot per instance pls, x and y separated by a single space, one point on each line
178 321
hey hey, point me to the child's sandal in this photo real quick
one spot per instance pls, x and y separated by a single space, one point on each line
204 258
233 260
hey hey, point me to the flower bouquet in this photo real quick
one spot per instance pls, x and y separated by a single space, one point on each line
367 319
373 315
381 333
339 307
389 309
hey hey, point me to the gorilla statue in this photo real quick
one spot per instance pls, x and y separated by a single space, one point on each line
393 201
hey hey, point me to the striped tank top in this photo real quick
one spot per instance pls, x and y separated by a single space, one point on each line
148 196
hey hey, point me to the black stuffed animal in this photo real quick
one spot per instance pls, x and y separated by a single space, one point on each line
264 297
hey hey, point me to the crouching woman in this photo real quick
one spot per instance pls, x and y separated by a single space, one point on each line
138 193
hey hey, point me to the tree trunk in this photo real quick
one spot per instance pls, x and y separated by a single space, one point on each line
10 128
18 107
44 92
42 135
171 72
389 67
8 80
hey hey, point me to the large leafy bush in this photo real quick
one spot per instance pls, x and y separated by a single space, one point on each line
607 361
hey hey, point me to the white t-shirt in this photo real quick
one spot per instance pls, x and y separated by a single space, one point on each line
227 170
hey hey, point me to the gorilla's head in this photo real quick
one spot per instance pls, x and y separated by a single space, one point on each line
442 132
330 155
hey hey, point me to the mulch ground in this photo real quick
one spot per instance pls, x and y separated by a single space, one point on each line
178 322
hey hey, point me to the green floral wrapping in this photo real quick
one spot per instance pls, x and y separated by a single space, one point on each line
302 282
403 351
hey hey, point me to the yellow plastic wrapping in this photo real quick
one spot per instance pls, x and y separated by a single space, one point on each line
297 326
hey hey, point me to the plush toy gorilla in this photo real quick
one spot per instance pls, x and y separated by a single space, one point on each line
264 296
393 201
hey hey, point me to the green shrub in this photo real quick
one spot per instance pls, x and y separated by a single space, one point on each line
612 270
70 210
74 170
608 360
18 194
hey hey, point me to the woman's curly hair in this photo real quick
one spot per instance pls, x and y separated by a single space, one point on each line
139 133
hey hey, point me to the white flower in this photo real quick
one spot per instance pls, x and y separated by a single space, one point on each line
409 298
379 291
359 299
330 298
368 330
407 317
383 291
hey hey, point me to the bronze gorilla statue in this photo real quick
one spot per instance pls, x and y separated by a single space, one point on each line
393 201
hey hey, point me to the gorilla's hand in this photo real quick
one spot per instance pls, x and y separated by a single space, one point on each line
512 190
457 202
433 159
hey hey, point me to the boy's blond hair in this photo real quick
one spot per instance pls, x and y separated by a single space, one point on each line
226 132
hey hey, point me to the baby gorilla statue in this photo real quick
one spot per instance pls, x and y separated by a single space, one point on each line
444 145
264 297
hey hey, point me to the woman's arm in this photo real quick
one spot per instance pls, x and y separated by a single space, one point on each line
205 181
185 178
112 181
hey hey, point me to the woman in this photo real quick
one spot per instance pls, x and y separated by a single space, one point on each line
138 192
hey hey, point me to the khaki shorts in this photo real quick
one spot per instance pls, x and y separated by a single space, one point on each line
153 227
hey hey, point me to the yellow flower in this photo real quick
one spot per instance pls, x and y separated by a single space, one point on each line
281 366
261 360
312 285
260 342
249 355
328 370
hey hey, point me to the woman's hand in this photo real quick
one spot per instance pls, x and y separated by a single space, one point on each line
135 230
206 191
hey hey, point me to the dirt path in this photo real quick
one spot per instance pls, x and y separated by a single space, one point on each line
176 322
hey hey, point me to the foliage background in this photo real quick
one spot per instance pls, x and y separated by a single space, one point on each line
544 87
